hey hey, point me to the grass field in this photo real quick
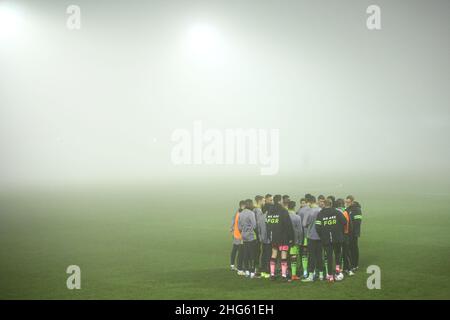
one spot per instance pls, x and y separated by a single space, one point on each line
173 243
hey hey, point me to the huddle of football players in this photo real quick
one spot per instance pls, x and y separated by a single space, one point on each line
319 241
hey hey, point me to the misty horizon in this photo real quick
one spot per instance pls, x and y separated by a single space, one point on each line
101 103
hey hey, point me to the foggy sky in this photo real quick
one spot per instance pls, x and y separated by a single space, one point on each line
101 103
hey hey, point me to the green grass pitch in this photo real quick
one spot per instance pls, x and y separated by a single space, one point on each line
173 243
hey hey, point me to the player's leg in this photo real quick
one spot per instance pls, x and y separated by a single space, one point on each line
305 257
252 258
246 258
354 253
262 263
257 256
268 257
328 248
273 261
351 253
319 258
293 256
240 259
278 263
284 261
249 266
265 260
346 255
337 248
325 260
311 261
234 251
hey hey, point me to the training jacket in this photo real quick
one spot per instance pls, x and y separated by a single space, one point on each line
267 207
297 226
262 229
259 216
301 213
308 223
330 225
279 226
356 218
247 225
348 226
237 238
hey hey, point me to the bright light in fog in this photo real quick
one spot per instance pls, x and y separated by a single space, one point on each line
205 43
9 21
203 39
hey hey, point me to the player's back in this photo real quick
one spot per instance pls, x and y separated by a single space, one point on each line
247 225
297 226
331 223
311 217
302 212
276 224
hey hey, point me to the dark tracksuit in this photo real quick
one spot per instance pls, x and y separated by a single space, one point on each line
356 219
279 226
267 207
330 227
281 233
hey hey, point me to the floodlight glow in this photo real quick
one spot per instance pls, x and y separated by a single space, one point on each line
9 21
204 42
203 38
